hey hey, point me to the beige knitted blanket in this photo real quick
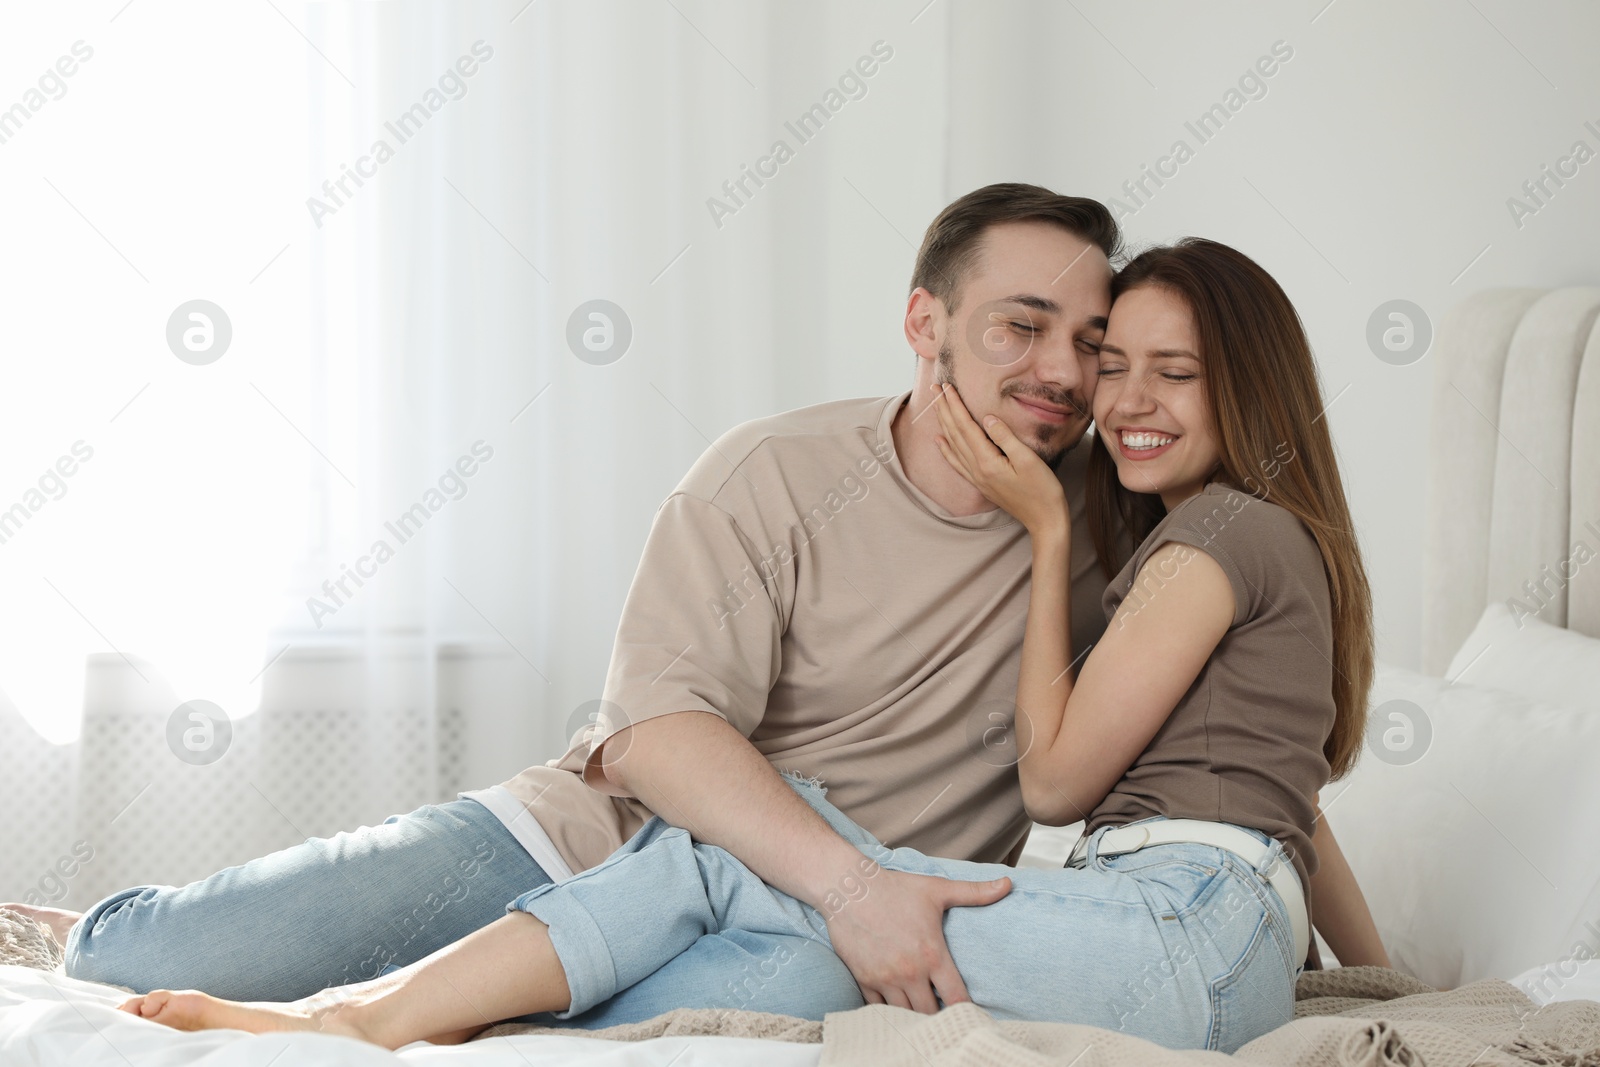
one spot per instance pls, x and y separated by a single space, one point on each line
24 943
1357 1016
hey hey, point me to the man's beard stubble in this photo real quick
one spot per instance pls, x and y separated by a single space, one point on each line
1044 448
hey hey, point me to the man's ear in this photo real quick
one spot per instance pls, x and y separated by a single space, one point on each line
925 317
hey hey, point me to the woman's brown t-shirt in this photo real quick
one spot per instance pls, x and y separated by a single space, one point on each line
1244 744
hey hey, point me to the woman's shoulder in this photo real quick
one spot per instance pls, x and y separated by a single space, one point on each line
1250 531
1263 548
1219 510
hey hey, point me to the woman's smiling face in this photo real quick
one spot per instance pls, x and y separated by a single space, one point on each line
1150 403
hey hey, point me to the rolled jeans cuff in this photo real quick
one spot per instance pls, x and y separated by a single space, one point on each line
579 944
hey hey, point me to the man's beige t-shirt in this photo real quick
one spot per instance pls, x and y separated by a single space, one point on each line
797 584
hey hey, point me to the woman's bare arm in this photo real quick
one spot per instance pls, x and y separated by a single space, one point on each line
1153 649
1078 738
1338 907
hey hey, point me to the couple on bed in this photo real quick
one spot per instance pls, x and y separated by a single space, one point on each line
817 691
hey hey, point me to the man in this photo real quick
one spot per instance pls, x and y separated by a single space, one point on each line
822 593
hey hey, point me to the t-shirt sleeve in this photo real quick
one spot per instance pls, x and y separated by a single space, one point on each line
701 629
1251 540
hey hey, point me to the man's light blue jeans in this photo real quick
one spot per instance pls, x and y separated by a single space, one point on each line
332 911
1182 944
329 911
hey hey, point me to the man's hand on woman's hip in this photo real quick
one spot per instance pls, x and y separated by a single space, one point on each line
697 772
891 936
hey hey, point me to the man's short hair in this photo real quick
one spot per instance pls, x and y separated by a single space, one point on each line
950 247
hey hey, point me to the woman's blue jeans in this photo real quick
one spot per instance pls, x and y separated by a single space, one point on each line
1182 944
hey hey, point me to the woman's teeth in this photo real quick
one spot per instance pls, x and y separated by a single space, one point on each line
1137 442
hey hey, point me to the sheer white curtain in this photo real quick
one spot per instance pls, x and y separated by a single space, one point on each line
390 530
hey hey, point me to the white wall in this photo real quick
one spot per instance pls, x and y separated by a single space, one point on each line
1377 166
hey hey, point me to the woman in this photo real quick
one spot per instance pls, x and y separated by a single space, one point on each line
1231 682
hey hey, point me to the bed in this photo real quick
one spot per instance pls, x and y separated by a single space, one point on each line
1470 821
1497 796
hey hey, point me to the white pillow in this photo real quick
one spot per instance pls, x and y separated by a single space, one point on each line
1569 978
1520 653
1477 857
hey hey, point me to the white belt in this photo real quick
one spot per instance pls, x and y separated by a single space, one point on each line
1282 876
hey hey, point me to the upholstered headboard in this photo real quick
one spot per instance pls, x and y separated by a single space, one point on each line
1514 479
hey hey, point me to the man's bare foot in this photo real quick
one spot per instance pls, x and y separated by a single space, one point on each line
193 1010
55 920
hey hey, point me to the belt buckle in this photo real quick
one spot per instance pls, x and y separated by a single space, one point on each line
1118 850
1080 851
1144 839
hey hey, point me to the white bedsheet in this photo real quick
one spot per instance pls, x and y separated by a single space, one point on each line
50 1021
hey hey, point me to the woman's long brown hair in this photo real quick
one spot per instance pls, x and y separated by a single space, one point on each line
1261 382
